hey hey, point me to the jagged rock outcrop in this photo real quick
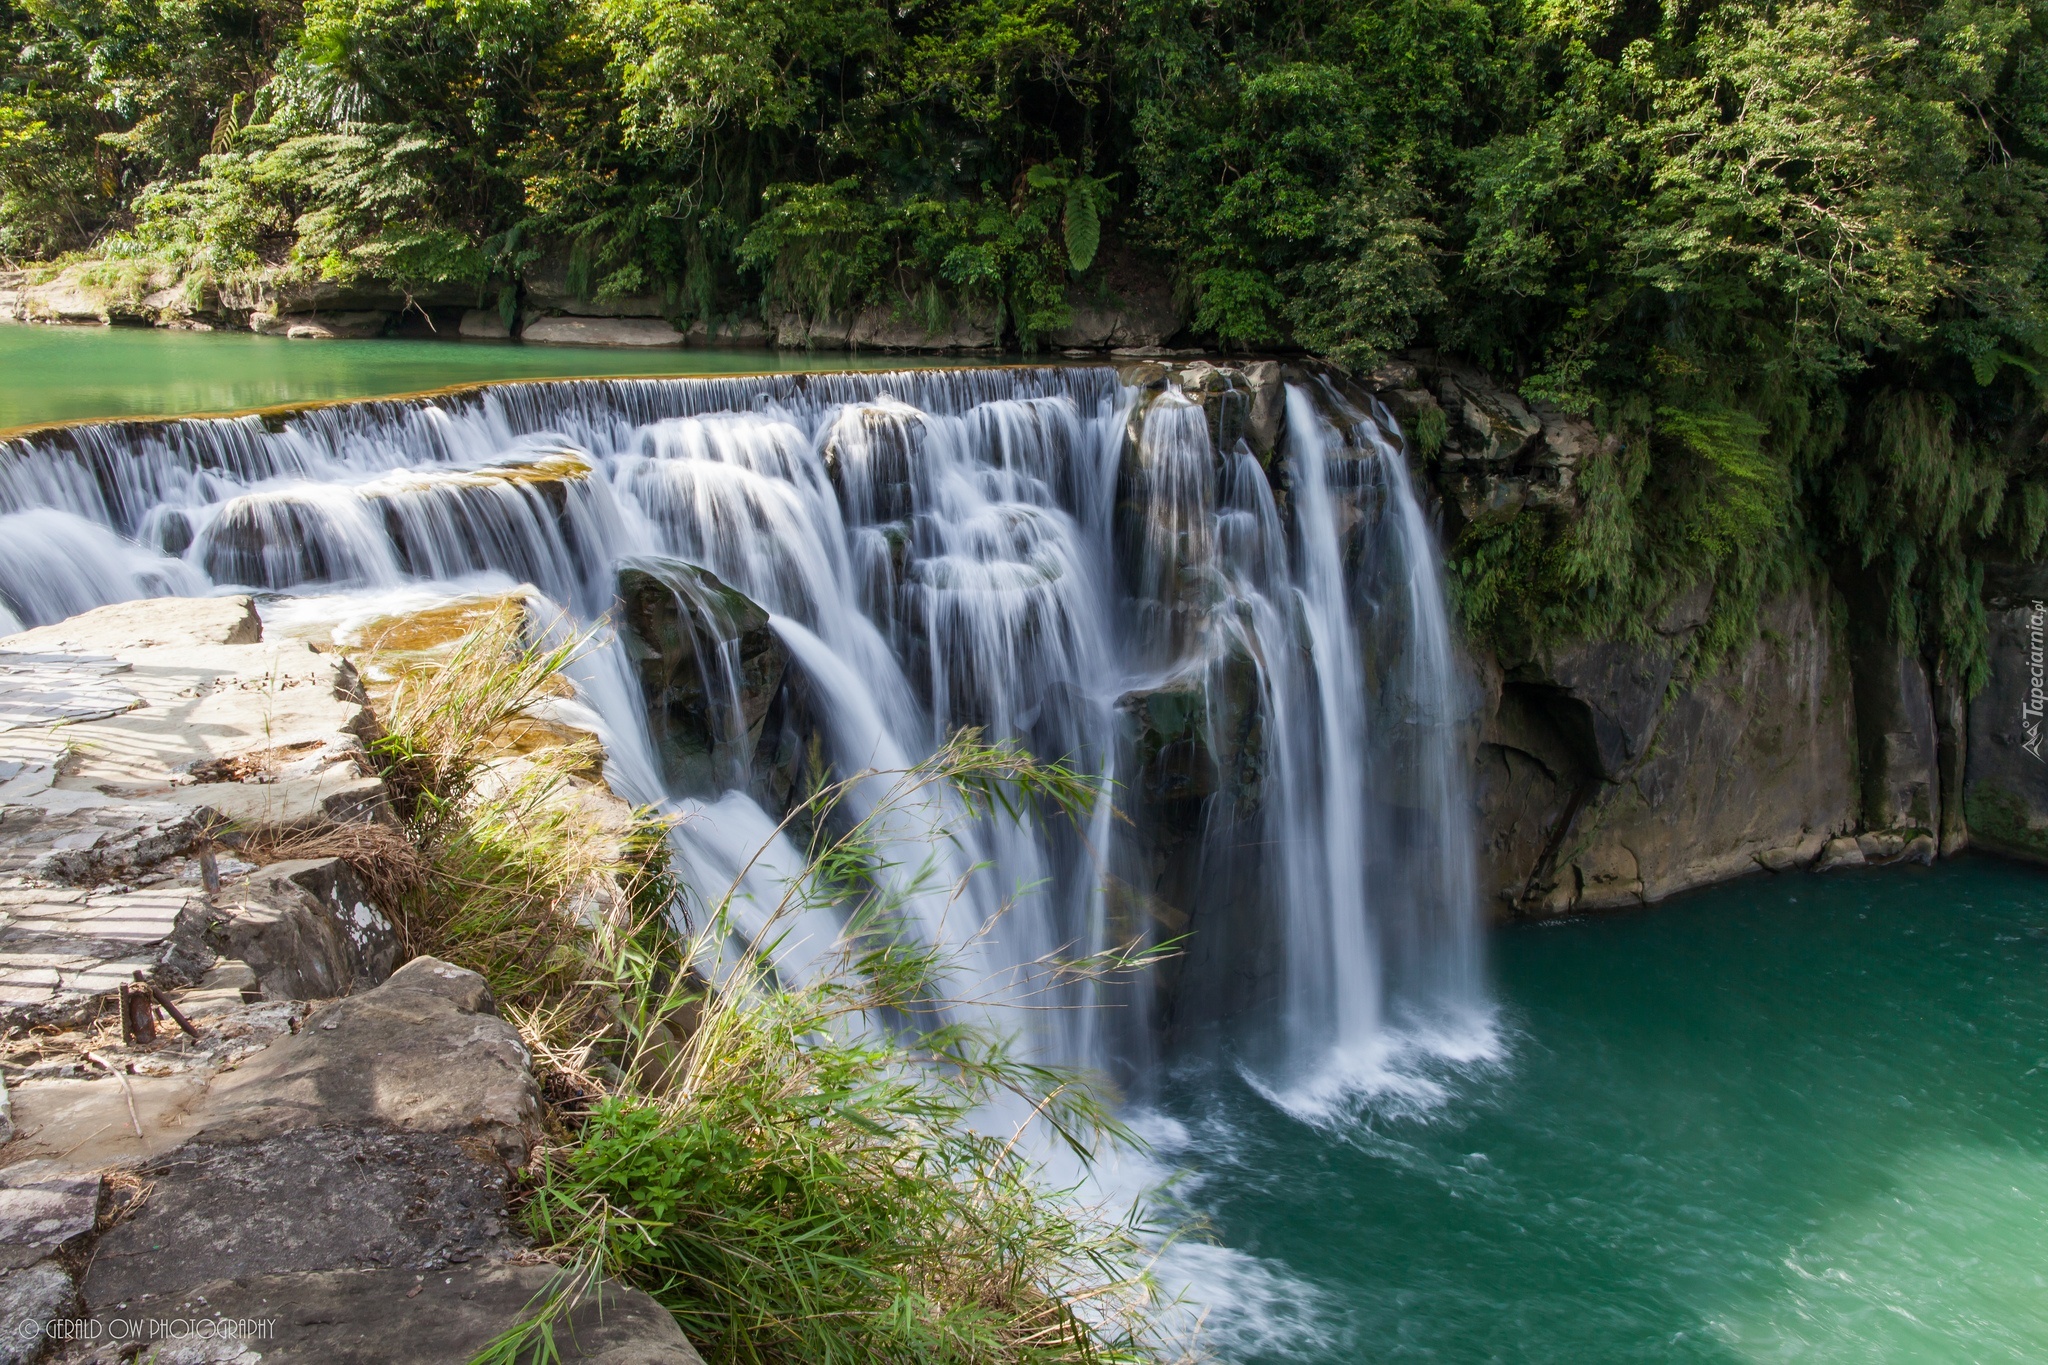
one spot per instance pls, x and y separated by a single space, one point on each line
710 667
307 929
1494 454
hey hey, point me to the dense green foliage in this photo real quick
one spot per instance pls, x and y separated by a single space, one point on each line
1793 251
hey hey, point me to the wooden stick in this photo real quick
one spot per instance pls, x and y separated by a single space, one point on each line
126 1090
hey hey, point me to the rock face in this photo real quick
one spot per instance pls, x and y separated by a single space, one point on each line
1596 791
321 327
1493 453
578 331
2006 772
483 324
549 290
1134 311
735 332
710 667
893 328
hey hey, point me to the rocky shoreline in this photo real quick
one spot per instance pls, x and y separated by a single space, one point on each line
320 1170
1132 314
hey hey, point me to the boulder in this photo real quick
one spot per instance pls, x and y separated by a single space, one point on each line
327 1198
605 331
709 664
483 324
1268 407
1488 424
424 1052
1839 853
306 929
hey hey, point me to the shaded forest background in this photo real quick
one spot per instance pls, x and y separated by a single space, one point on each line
1793 253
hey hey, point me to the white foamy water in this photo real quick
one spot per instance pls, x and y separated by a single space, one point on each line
1021 551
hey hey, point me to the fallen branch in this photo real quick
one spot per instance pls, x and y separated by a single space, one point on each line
127 1091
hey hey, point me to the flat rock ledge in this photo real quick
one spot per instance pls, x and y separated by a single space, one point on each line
338 1193
138 742
321 1174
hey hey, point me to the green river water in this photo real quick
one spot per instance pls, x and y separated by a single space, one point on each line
1795 1118
1792 1119
54 374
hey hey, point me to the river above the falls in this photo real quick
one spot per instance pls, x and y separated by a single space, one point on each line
1793 1118
62 374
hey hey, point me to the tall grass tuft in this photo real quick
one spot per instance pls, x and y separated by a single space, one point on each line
838 1169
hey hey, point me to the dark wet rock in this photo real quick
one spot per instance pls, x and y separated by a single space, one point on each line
1196 737
872 453
709 663
484 324
1896 741
2006 784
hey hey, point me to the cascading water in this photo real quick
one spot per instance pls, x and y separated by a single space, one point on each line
1254 654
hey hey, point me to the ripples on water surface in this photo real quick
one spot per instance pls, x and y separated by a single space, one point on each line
1796 1118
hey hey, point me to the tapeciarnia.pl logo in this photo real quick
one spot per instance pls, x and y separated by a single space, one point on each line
2037 680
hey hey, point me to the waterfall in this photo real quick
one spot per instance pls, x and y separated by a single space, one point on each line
1252 651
